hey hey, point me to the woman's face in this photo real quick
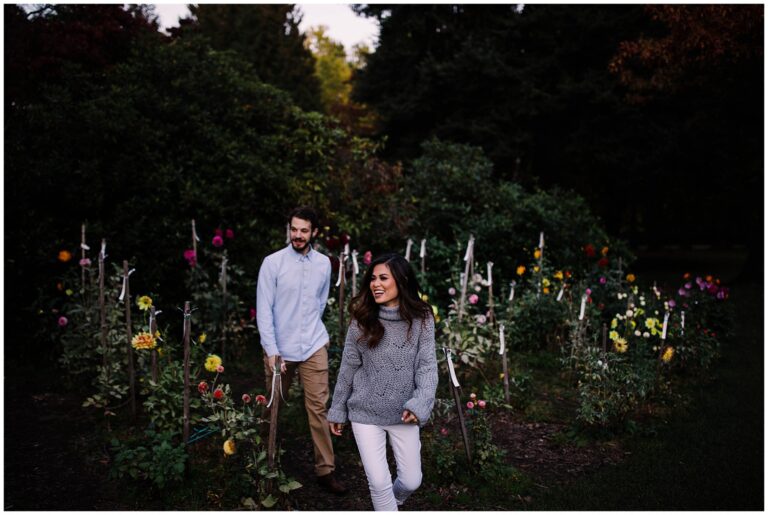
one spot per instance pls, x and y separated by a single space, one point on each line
383 287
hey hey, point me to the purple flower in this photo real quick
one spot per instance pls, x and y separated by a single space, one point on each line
712 288
217 241
85 262
603 280
589 291
672 303
688 285
451 291
63 321
682 292
473 299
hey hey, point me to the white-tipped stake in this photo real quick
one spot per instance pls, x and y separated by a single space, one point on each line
583 306
682 322
560 294
470 248
501 339
511 291
408 249
451 371
490 277
541 240
664 327
355 267
125 281
423 250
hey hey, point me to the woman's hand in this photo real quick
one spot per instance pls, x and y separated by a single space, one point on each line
336 428
409 418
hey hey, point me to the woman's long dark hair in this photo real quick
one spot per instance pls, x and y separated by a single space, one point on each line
365 310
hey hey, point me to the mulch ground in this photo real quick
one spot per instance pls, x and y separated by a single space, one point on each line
56 460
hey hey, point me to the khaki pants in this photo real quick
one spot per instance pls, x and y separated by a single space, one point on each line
313 374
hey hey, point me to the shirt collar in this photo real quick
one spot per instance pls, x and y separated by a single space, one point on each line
299 256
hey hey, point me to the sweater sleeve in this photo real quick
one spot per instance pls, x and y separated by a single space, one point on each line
350 362
425 375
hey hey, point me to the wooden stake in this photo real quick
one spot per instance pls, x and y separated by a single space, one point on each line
224 307
131 373
152 331
341 295
459 410
187 331
467 266
103 310
82 256
275 396
194 239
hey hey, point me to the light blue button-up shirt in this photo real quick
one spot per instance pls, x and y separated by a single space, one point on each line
290 299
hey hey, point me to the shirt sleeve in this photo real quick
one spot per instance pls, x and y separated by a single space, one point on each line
326 286
265 301
425 375
351 360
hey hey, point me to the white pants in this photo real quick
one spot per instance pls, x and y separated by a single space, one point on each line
372 444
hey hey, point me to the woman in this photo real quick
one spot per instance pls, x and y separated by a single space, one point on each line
388 377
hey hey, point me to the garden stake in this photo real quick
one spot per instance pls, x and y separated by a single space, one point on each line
195 239
423 256
223 280
83 248
468 260
153 331
340 283
457 399
187 331
491 314
355 271
274 403
103 308
408 250
605 337
503 352
541 261
126 297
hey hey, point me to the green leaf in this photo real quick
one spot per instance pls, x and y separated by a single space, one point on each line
269 501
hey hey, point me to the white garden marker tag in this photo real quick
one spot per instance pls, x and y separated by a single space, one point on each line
408 249
583 306
560 294
355 267
125 281
103 249
541 240
664 327
470 248
490 277
423 250
451 371
84 246
501 339
512 291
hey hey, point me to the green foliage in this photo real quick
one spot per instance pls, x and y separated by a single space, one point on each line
158 460
268 37
164 404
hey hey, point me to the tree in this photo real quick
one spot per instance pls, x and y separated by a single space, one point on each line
265 35
331 67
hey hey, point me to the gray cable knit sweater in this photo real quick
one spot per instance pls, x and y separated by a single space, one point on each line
375 385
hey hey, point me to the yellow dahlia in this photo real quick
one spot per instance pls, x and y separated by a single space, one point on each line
201 339
558 275
520 270
143 340
229 447
669 352
537 254
212 362
631 278
620 345
144 302
613 335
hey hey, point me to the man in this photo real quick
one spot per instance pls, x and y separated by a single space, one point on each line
290 299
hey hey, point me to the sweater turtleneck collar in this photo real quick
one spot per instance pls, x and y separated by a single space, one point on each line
392 314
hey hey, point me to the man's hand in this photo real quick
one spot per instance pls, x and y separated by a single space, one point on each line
336 428
409 418
271 361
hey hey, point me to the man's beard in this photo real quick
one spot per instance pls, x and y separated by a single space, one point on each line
301 245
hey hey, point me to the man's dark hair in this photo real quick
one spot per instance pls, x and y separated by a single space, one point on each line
305 213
